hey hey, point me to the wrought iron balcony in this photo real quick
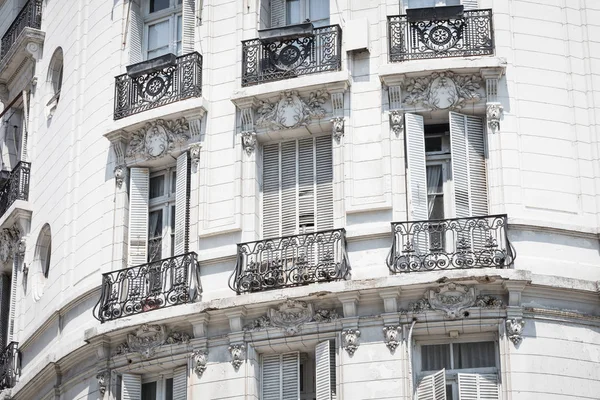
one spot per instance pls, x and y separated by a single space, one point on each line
291 261
16 187
468 35
461 243
274 60
156 87
146 287
30 16
10 365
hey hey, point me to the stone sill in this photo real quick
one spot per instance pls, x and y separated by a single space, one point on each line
29 41
389 73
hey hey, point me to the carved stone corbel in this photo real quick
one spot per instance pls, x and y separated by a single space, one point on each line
350 340
237 352
514 330
249 141
103 378
391 336
397 122
195 155
199 360
35 49
120 174
494 112
337 128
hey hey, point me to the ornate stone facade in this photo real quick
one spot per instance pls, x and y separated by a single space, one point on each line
237 352
249 141
514 330
291 111
494 113
103 378
443 91
148 338
397 122
337 128
157 138
391 335
9 243
350 340
199 361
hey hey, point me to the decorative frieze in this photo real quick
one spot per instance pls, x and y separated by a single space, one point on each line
148 338
391 335
157 138
199 361
443 91
291 111
350 340
290 316
237 352
514 330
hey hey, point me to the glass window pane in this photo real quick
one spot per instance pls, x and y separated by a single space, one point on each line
435 357
474 355
292 12
149 391
173 182
169 389
158 35
435 181
319 12
155 223
157 186
433 143
157 5
421 3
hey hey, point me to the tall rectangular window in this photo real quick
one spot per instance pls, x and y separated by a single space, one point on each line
163 27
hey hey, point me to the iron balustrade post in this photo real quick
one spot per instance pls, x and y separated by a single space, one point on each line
30 16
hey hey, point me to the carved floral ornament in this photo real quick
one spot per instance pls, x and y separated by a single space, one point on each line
453 299
391 336
148 338
494 112
158 138
443 91
350 340
103 378
199 361
237 352
514 330
290 316
10 241
291 110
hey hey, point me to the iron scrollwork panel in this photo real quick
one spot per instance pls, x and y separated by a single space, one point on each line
10 361
288 58
462 243
290 261
29 16
16 187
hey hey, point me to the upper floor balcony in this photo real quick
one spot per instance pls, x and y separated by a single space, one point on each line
291 261
10 365
15 187
459 243
30 16
157 284
157 82
291 51
440 32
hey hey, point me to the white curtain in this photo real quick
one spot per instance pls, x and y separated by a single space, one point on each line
154 235
434 185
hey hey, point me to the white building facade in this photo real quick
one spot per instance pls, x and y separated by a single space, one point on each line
300 199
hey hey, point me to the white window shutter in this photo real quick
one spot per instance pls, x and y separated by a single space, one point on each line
290 376
324 183
277 13
13 299
189 25
289 188
306 186
138 215
131 387
477 166
325 370
415 154
270 185
182 204
470 4
271 377
478 387
180 383
135 34
432 387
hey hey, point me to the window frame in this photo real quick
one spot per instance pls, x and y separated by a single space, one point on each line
161 384
171 14
305 13
165 204
407 2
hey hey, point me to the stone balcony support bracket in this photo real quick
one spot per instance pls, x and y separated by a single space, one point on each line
494 109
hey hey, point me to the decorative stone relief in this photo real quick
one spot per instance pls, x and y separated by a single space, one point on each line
291 111
337 128
443 90
237 355
9 243
391 336
514 330
195 155
494 113
419 306
6 394
103 378
199 360
157 138
148 338
249 141
350 340
290 316
397 121
120 175
487 301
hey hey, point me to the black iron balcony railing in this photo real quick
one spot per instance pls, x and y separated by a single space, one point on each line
10 365
16 187
461 243
157 87
290 261
268 61
469 35
147 287
30 16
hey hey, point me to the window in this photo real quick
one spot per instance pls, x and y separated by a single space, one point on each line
158 212
135 387
163 23
55 77
300 375
43 251
432 3
290 12
297 187
462 370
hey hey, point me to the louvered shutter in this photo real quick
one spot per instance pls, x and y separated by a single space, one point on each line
271 377
324 183
289 188
417 178
182 204
470 4
131 387
478 387
432 387
180 383
189 25
13 299
306 186
135 34
290 376
138 215
325 370
271 193
277 13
